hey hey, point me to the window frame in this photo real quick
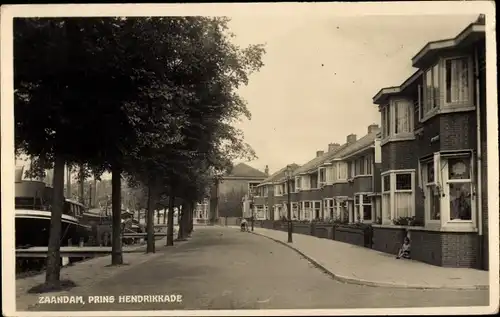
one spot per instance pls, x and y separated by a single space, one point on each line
442 180
359 207
389 196
322 171
443 105
389 121
470 81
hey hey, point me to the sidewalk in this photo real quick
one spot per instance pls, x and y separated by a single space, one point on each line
353 264
86 273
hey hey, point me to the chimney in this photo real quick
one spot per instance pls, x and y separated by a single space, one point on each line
351 138
373 128
319 153
266 170
333 146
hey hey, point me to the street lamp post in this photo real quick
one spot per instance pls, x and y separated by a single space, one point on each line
252 210
288 175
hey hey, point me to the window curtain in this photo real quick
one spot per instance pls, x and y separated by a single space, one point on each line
402 204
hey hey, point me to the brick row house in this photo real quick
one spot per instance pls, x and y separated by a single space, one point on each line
433 146
340 184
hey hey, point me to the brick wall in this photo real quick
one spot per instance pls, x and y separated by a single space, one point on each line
426 247
399 155
460 250
342 189
350 235
458 131
447 249
362 184
388 240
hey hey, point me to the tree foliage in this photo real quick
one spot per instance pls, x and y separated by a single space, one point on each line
154 98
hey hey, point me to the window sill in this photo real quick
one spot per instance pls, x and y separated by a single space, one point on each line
448 108
398 138
429 227
359 176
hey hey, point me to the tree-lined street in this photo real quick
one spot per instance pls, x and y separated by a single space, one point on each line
223 268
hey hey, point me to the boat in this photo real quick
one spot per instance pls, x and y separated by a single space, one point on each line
33 215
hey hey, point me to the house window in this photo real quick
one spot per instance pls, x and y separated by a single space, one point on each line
307 210
298 183
457 80
329 209
403 195
317 210
359 166
314 180
335 175
431 92
367 208
459 188
266 191
362 208
449 198
278 190
386 120
397 195
305 182
431 192
368 164
322 176
342 171
402 114
295 210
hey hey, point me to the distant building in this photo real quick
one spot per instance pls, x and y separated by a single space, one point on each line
226 195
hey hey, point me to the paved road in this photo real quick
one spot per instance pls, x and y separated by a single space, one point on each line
222 268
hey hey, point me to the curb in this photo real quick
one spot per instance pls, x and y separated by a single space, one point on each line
350 280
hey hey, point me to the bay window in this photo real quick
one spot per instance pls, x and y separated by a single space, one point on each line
306 207
298 184
368 164
278 190
398 197
341 208
266 191
449 191
457 74
305 182
322 176
362 208
313 179
295 210
316 206
386 119
431 90
342 171
329 209
397 118
448 83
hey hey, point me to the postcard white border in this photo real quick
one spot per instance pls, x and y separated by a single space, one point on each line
239 9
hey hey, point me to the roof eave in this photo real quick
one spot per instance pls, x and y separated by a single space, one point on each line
427 52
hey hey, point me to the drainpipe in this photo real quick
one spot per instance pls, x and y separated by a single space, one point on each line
479 158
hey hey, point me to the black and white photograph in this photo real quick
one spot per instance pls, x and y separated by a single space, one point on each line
249 159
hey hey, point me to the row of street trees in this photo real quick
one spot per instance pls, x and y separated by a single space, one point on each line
151 100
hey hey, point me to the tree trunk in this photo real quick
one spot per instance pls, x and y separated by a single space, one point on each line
116 245
158 216
53 255
165 215
170 223
189 219
150 222
81 189
94 194
182 221
68 181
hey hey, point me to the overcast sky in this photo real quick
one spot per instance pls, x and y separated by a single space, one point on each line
320 75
